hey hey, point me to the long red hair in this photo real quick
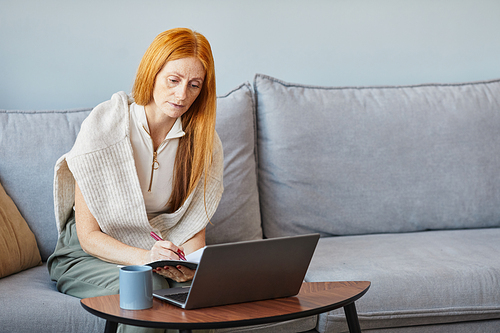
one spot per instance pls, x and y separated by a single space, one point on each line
194 155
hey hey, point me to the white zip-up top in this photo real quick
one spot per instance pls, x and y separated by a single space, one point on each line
154 168
102 162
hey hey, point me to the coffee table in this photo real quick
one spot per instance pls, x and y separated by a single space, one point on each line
313 298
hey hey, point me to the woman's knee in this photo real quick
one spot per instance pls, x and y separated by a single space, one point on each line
159 282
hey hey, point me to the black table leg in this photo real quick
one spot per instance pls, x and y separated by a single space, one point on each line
352 318
111 327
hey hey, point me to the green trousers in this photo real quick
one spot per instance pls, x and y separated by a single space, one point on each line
81 275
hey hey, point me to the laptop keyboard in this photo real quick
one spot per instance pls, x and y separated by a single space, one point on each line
181 297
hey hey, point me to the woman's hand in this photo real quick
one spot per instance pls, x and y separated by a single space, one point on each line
165 250
178 273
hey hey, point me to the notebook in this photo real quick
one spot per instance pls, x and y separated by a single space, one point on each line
246 271
191 261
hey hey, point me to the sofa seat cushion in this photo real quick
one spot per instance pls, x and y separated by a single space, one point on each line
31 303
420 278
480 326
347 161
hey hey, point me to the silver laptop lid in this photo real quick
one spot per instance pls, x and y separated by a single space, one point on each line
251 270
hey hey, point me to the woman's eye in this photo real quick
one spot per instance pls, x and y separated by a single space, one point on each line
173 80
196 84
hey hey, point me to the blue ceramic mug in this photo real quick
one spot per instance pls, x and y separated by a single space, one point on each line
136 287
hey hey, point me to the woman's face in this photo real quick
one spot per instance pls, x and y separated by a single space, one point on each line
176 87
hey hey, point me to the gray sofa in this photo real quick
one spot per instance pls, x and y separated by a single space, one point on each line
403 184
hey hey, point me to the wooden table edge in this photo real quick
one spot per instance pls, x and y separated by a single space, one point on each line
233 323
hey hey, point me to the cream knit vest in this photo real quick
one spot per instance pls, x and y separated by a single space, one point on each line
101 161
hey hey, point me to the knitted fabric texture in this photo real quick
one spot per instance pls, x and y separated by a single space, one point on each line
102 163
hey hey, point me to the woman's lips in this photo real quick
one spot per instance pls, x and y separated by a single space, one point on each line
176 105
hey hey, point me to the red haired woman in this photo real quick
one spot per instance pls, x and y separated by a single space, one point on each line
151 163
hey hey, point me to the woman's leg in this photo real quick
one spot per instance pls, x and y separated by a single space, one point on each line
81 275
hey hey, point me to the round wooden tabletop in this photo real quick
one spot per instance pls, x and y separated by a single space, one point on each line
313 298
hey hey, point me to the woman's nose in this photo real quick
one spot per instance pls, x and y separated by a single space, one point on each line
181 92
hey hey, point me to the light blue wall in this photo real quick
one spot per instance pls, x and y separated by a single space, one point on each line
71 54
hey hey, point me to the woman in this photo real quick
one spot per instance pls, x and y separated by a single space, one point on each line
149 164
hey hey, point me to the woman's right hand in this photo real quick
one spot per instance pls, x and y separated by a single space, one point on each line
165 250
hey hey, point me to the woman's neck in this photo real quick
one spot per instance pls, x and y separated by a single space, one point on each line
159 126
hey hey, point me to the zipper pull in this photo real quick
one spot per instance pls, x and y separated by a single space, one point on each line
154 166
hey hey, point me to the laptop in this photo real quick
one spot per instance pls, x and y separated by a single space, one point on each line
246 271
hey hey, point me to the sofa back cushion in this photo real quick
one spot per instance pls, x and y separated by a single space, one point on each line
343 161
32 141
30 144
238 216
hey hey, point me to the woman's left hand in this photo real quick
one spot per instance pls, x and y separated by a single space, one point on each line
181 273
177 273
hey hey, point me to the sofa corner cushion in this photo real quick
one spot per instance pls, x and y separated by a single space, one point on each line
30 144
358 160
18 247
238 216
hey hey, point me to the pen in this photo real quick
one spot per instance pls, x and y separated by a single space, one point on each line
158 238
